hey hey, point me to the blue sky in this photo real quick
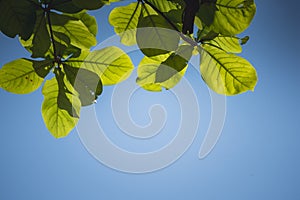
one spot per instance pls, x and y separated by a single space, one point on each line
257 156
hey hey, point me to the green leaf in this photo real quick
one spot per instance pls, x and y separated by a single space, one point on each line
153 75
89 4
61 106
66 6
85 82
78 32
226 73
17 18
23 76
155 36
111 64
88 20
233 16
39 42
227 43
207 11
172 10
125 21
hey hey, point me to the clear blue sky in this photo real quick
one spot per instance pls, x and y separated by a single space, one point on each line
257 156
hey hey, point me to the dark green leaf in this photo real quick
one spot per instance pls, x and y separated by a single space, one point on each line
89 4
17 17
66 6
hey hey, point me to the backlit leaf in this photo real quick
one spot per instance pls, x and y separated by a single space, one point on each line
156 36
78 32
23 76
111 64
226 73
86 83
61 106
156 74
233 16
125 21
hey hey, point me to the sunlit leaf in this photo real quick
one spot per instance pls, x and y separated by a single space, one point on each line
23 76
17 18
125 21
61 106
88 20
154 75
233 16
226 73
111 64
172 10
85 82
227 43
79 33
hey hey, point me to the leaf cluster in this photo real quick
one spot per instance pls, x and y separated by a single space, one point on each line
60 33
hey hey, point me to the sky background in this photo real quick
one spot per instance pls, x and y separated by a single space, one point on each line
257 156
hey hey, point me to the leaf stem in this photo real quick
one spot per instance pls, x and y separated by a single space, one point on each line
56 58
185 38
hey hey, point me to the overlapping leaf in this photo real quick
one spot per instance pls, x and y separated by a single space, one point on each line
229 44
61 106
86 83
125 21
111 64
77 30
17 18
156 36
66 6
233 16
226 73
23 76
165 72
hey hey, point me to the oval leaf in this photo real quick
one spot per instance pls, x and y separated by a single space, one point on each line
111 64
60 109
226 73
23 76
154 74
233 16
86 83
17 18
155 36
78 32
125 21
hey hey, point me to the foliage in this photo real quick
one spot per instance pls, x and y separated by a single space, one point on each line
60 33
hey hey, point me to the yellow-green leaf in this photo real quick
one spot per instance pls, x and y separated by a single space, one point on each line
23 76
229 44
61 106
79 33
155 74
125 21
226 73
233 16
111 64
